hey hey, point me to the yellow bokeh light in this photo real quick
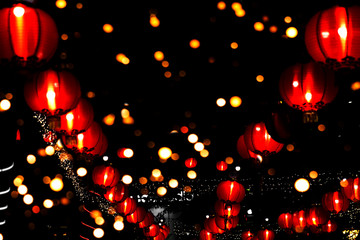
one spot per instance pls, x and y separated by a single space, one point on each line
194 43
90 94
221 5
344 183
161 191
127 179
48 203
9 96
191 174
164 152
22 189
167 74
259 78
302 185
108 28
193 138
159 56
313 174
118 225
235 101
240 13
165 64
5 105
259 26
128 153
120 57
46 180
290 147
60 4
287 19
175 156
19 11
204 153
291 32
236 6
199 146
273 29
49 150
81 171
28 199
234 45
18 180
31 159
125 113
99 221
64 36
79 5
154 21
98 233
229 160
220 102
109 119
321 127
355 86
156 173
56 184
173 183
143 180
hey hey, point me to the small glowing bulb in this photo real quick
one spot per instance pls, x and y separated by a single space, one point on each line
56 184
295 83
98 233
291 32
308 96
302 185
81 172
19 11
5 105
342 31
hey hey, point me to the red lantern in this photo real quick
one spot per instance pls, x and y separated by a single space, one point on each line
126 207
315 216
329 226
244 151
335 202
221 166
247 235
210 226
259 141
77 120
190 162
92 141
206 235
308 87
332 36
148 220
285 221
299 220
137 216
351 189
266 234
225 209
231 191
226 223
117 193
52 92
152 231
165 229
105 176
160 236
29 36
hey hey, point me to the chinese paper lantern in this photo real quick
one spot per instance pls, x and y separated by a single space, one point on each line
152 231
335 202
210 226
206 235
231 191
105 176
226 223
117 193
285 221
160 236
329 226
221 166
148 220
126 207
299 220
350 188
137 216
244 151
308 87
315 216
52 92
190 162
77 120
332 36
259 141
247 235
226 209
265 234
28 36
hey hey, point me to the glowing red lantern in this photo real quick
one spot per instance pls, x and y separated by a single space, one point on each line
52 92
126 207
206 235
210 226
137 216
259 141
93 141
148 220
117 193
160 236
285 221
231 191
335 202
105 176
351 189
299 220
221 166
332 36
243 150
315 216
29 36
77 120
265 234
329 226
226 209
308 87
247 235
226 223
190 162
165 229
152 231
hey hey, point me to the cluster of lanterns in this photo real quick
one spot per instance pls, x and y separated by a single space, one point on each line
107 179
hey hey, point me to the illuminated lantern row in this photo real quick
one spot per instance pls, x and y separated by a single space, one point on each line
117 193
332 36
351 189
259 141
29 36
263 234
308 87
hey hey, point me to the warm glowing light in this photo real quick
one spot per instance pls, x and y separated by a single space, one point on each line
108 28
46 180
291 32
221 5
143 180
259 78
156 173
236 6
191 174
321 127
128 153
325 34
22 189
28 199
48 203
240 13
118 225
35 209
220 102
125 113
234 45
193 138
167 74
127 179
235 101
49 150
98 233
344 183
5 105
90 94
80 141
165 64
194 43
164 152
290 147
308 96
109 119
19 11
229 160
122 59
18 181
173 183
342 31
159 56
60 4
295 83
313 174
273 29
50 96
56 184
302 185
154 21
355 86
259 26
99 221
204 153
81 171
31 159
287 19
199 146
161 191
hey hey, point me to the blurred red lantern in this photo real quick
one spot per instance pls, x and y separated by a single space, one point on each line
29 36
231 191
308 87
126 207
329 226
332 36
117 193
247 235
77 120
190 162
351 189
285 221
93 141
226 209
299 220
315 216
259 141
152 231
148 220
210 226
221 166
225 223
53 93
165 229
244 151
105 176
137 216
206 235
265 234
335 202
160 236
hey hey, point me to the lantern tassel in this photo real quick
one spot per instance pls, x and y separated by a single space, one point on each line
310 117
